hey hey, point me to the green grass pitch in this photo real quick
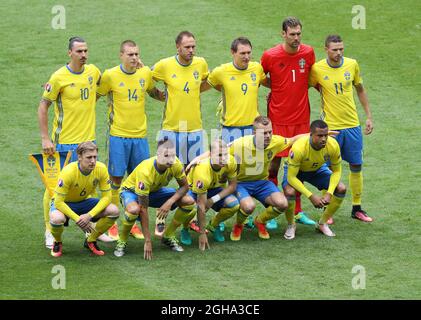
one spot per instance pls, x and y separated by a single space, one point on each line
309 267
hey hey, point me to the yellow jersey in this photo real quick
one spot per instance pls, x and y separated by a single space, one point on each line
303 157
203 177
126 100
74 97
239 92
74 186
182 111
338 108
146 178
254 163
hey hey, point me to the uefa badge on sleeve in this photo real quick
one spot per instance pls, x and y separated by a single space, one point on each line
199 184
60 183
141 185
291 155
48 87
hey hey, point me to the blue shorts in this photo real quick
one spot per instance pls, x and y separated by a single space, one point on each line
69 147
156 199
260 189
79 208
230 134
188 144
212 192
125 154
320 178
351 144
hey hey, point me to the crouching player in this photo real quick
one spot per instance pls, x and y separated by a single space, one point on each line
307 161
213 181
72 199
145 187
254 154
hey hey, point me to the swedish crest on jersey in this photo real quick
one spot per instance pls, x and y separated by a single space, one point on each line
91 80
95 182
302 64
142 82
347 75
196 75
270 154
253 76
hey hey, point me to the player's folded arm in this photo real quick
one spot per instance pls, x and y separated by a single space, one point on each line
62 206
335 177
294 182
103 202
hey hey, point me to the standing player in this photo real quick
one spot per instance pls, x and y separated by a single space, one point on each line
146 187
72 89
73 199
335 77
183 75
307 162
213 182
288 65
239 82
126 86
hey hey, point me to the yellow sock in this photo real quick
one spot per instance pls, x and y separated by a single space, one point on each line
115 197
46 206
289 212
181 216
188 215
224 214
268 214
127 223
356 184
57 231
335 203
241 216
101 226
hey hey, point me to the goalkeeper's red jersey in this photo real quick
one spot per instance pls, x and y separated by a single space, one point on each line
288 102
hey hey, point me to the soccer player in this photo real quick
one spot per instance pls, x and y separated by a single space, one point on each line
184 75
213 182
126 86
254 153
288 65
239 82
307 162
73 199
72 89
146 187
335 77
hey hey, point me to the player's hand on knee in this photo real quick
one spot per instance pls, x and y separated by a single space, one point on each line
163 211
326 198
316 201
84 222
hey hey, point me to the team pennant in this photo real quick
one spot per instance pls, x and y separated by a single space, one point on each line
50 166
